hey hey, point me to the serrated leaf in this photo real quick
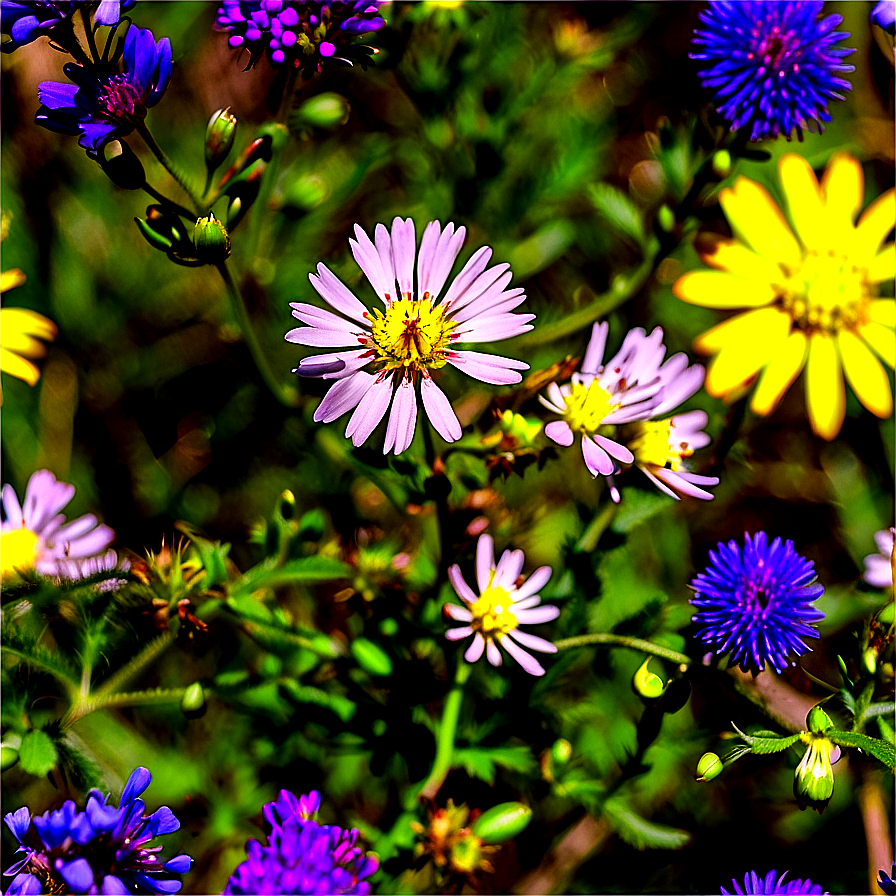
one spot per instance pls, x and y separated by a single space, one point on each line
638 506
38 753
624 591
763 746
618 210
641 833
481 762
879 749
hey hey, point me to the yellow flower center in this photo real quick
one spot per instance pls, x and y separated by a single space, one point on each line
654 443
827 292
588 406
493 613
411 335
18 552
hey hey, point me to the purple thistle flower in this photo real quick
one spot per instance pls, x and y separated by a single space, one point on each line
35 535
103 103
27 20
756 603
772 65
103 849
770 885
296 33
494 615
413 336
302 856
879 567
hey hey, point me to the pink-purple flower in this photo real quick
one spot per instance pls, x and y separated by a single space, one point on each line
879 567
494 615
414 334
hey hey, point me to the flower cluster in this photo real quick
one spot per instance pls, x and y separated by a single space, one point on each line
27 20
303 856
755 602
301 34
103 849
772 66
772 885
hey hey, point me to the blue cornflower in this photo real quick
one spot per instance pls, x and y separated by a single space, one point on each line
102 102
756 604
754 885
27 20
302 856
772 65
103 849
301 34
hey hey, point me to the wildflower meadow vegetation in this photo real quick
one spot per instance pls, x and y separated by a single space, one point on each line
447 447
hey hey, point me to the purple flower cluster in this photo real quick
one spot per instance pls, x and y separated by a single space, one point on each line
773 66
103 849
771 885
756 603
302 856
299 34
27 20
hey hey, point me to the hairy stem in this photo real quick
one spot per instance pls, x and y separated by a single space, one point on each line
597 638
117 701
169 166
151 652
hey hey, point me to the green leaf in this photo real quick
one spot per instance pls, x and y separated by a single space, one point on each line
336 703
764 745
38 754
638 506
624 591
618 210
879 749
641 833
886 730
302 569
482 762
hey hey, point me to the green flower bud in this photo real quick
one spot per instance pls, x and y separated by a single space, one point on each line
818 721
887 614
219 136
813 781
869 660
646 683
9 756
286 504
665 217
709 766
561 752
121 166
371 657
192 704
389 627
502 822
326 110
312 525
211 240
721 164
152 236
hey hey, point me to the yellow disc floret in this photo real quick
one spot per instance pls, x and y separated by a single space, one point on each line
411 335
493 613
587 406
654 444
18 552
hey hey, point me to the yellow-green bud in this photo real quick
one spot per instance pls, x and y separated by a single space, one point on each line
665 217
813 781
466 855
502 822
9 756
561 752
152 236
818 721
326 110
211 240
721 164
869 660
219 135
192 704
887 614
371 657
646 683
709 766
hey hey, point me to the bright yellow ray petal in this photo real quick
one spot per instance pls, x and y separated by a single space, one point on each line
25 321
782 369
11 279
756 220
734 257
881 339
865 374
803 198
18 367
883 311
23 344
883 266
719 289
843 184
825 392
874 225
742 329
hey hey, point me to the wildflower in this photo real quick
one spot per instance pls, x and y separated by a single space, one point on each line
620 398
756 604
27 20
102 102
884 15
770 885
813 781
494 615
103 849
20 332
879 567
301 34
413 336
302 856
812 297
773 66
35 536
75 570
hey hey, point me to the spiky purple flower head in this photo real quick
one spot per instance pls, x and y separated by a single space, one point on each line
755 602
103 849
773 66
771 885
27 20
303 856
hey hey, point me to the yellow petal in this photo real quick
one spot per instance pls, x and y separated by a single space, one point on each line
782 369
874 225
11 279
18 367
883 311
742 329
719 289
865 374
803 198
734 257
825 392
23 344
21 320
881 339
883 267
844 188
756 220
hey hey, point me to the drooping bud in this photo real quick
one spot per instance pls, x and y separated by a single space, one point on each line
121 165
646 683
665 218
326 110
721 164
502 823
818 721
709 766
813 781
371 657
192 704
211 240
219 136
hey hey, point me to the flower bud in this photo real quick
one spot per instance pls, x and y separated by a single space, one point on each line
9 756
721 164
813 781
502 822
646 683
121 166
389 627
561 752
192 704
665 218
466 855
152 236
709 766
371 657
326 110
818 721
219 136
211 240
869 660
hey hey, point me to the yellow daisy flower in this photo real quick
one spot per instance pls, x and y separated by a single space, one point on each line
20 331
812 290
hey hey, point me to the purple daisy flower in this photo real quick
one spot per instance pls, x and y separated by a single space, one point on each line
27 20
494 615
103 103
771 885
773 66
756 604
879 567
303 856
414 335
75 570
103 849
34 534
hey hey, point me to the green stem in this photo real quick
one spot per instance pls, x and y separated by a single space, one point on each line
596 528
116 701
288 397
169 166
149 653
174 206
447 731
596 638
871 712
